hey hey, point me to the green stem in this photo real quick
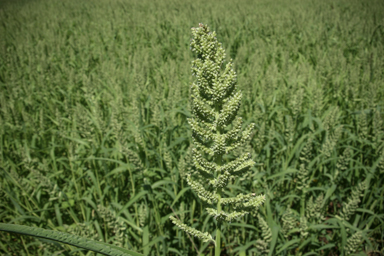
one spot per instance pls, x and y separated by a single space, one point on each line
218 226
219 192
302 202
218 237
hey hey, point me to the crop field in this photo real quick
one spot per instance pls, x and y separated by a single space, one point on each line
95 98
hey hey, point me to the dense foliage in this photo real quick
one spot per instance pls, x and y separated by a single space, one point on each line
94 139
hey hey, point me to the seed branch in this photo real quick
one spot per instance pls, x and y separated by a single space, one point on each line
216 131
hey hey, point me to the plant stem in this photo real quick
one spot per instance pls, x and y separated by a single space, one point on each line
219 192
218 225
218 237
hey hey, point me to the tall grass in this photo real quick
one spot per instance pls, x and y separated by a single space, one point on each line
94 97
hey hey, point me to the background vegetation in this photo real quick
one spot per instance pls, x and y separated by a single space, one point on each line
94 97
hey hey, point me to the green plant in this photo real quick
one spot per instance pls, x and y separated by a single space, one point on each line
81 242
94 107
216 131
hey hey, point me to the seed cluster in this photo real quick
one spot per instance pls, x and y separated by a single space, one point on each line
216 130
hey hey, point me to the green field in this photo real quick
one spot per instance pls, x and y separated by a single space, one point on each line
94 138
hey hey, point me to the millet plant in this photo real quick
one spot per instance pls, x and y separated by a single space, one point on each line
216 131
